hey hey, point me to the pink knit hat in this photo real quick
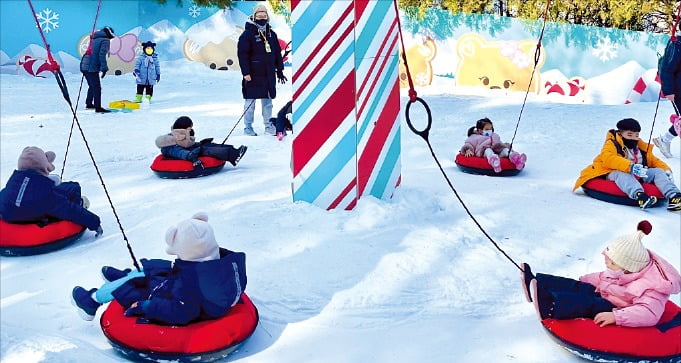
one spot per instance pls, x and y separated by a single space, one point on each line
33 157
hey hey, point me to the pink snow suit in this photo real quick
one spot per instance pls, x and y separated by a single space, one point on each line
478 143
640 297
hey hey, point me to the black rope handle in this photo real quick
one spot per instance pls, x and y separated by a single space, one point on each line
237 121
537 57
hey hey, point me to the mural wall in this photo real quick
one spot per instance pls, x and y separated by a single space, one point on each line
479 54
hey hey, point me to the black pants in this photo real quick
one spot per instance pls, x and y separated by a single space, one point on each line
148 87
564 298
94 90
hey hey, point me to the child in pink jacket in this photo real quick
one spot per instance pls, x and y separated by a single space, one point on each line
482 141
632 291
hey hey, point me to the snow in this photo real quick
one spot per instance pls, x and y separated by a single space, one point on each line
401 280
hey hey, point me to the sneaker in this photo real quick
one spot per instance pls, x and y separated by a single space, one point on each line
644 200
89 107
112 274
518 160
248 131
280 135
82 299
242 151
663 146
674 203
86 202
102 110
270 130
526 277
494 161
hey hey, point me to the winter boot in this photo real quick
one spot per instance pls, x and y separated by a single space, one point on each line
518 160
674 203
645 201
149 98
138 98
112 274
493 160
270 130
526 278
102 110
241 151
89 107
82 299
248 131
541 306
665 147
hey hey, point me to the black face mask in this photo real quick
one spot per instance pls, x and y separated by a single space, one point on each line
191 132
261 22
630 144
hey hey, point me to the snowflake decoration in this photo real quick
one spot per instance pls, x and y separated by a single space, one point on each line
605 50
194 11
48 20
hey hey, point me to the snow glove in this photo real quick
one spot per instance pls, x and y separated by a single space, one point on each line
639 170
158 78
99 231
137 309
281 77
103 74
669 175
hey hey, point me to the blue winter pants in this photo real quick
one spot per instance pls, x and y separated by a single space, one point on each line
105 293
564 298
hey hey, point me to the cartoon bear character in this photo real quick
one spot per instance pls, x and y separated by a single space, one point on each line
419 57
123 52
506 65
222 56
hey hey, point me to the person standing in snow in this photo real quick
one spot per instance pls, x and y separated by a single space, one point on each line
147 71
669 69
260 61
93 62
32 194
632 291
629 161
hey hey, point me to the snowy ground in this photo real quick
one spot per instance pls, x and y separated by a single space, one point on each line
405 280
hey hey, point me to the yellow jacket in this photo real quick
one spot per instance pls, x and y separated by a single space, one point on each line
612 157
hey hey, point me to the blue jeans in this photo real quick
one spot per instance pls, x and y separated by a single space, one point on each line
249 108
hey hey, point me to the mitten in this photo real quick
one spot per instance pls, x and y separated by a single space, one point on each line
639 170
158 78
103 74
99 231
137 310
281 77
669 175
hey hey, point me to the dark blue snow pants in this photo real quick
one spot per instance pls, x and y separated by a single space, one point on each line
564 298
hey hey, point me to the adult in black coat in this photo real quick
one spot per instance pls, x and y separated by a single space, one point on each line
669 69
31 196
261 66
93 62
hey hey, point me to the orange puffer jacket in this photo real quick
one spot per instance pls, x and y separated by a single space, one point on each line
612 158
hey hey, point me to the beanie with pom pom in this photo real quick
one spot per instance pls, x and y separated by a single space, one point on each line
628 251
193 240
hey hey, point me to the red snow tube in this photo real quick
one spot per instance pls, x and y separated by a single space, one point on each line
203 341
660 343
480 166
181 169
607 191
25 239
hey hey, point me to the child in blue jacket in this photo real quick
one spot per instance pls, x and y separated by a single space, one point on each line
147 71
33 195
203 283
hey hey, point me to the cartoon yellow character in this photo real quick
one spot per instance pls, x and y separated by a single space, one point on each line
419 57
222 56
506 65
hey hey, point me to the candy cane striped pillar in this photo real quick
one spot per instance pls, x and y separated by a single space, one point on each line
345 101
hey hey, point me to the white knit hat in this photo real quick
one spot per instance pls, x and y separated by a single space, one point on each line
193 240
33 157
628 252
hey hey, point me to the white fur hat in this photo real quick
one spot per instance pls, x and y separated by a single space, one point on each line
260 8
193 240
628 252
33 157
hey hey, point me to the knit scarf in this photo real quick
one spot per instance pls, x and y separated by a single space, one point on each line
147 60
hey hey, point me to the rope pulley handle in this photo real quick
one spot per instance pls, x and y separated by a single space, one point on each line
426 130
